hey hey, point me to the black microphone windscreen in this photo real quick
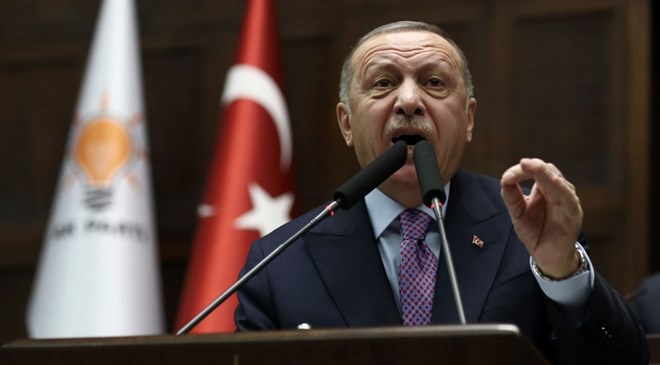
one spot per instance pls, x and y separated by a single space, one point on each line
372 175
428 173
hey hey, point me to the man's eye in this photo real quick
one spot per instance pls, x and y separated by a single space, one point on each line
435 82
383 83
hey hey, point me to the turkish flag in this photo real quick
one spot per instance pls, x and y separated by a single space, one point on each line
249 189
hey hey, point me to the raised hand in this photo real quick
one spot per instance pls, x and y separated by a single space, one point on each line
548 220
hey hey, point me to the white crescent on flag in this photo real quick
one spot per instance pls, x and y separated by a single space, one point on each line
245 81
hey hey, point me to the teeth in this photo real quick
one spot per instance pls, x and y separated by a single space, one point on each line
410 139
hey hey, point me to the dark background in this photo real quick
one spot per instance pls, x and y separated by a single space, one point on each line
568 81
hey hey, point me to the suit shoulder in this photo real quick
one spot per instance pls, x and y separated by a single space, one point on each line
487 182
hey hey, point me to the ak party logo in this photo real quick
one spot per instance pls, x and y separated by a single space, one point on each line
105 151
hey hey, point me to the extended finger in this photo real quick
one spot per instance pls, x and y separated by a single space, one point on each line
514 175
550 180
512 195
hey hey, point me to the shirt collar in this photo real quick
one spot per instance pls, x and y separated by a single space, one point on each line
383 210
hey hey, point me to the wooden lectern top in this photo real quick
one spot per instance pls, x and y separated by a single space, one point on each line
446 344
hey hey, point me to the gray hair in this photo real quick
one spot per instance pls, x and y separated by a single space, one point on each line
347 71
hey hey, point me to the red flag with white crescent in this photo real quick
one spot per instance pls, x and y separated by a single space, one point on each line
249 190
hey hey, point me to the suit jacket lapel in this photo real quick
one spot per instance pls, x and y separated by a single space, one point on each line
471 211
352 269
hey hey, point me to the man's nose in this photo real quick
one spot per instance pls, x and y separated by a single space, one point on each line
409 100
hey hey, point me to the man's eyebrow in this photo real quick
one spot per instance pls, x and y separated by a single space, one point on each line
440 64
375 66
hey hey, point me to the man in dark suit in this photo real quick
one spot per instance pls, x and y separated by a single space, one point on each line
407 80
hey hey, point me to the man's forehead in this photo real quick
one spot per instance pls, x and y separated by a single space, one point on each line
405 41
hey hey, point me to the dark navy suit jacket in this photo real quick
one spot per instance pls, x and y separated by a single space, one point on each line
334 277
646 304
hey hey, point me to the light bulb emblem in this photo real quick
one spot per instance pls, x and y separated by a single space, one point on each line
103 148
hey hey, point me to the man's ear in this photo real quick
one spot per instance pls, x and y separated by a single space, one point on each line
343 119
471 109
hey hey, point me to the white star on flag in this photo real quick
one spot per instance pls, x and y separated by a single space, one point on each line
267 212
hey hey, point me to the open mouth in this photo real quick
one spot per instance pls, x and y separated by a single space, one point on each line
410 139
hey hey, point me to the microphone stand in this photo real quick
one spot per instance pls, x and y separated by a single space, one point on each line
436 206
430 184
345 197
329 210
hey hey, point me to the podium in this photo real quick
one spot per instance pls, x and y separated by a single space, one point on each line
469 344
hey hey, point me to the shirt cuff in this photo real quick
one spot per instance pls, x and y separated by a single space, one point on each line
573 292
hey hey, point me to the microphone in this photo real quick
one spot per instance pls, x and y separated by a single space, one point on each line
428 174
430 183
371 176
345 197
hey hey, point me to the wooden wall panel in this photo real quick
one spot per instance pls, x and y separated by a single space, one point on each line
562 85
566 99
565 112
311 112
35 125
172 131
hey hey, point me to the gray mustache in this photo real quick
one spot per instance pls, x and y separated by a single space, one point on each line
396 124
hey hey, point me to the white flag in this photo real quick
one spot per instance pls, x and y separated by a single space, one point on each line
98 272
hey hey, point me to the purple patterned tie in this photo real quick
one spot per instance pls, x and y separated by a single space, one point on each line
417 269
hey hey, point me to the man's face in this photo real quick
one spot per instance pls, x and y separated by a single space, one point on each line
407 83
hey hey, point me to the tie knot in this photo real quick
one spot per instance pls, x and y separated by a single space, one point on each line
414 224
